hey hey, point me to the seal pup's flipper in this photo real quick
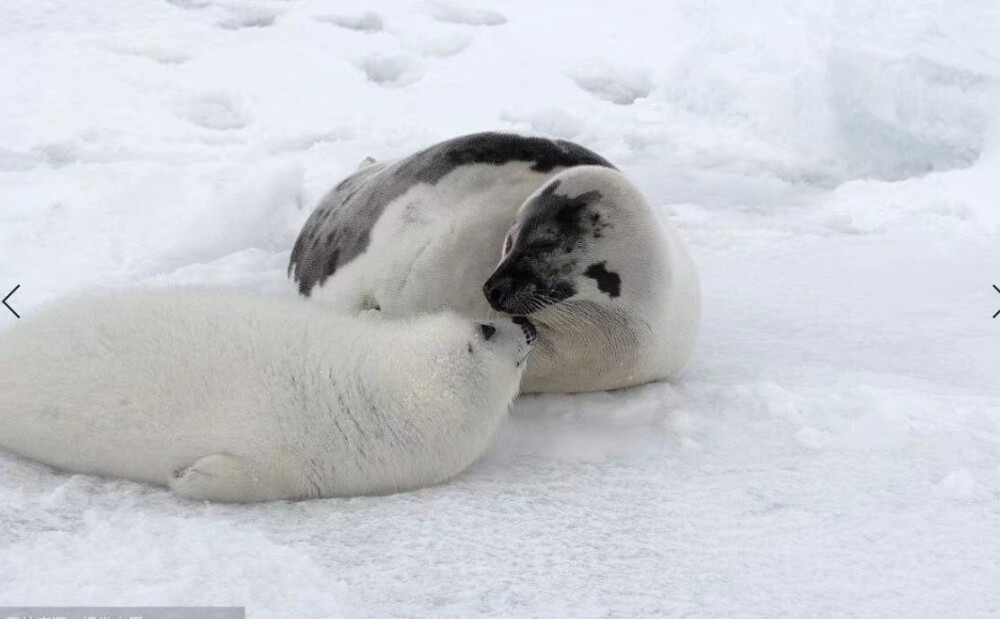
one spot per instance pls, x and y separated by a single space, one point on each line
231 479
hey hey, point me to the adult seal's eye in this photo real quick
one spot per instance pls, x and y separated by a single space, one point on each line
508 241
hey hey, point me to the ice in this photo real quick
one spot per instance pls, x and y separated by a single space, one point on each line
834 447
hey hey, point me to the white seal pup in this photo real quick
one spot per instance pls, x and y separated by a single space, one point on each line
227 396
611 286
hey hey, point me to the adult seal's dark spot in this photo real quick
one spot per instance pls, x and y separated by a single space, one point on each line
567 214
608 282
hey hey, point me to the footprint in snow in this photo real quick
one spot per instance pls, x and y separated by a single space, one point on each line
368 22
190 4
240 17
456 13
442 46
156 54
391 69
615 84
214 111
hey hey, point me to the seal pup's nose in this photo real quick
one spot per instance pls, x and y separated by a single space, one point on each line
487 331
530 332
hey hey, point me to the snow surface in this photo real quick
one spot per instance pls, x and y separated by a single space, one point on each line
833 449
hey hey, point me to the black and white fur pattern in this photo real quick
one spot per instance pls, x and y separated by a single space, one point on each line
339 230
227 396
611 286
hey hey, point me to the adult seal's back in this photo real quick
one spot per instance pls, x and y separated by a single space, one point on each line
494 222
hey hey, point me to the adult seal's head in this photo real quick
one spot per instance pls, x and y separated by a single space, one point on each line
608 283
558 242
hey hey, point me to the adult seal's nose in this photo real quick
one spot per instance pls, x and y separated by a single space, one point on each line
494 295
530 332
487 331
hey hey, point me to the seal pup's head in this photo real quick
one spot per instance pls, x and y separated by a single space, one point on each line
448 353
437 386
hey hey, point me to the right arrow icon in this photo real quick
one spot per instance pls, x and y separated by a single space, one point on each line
998 292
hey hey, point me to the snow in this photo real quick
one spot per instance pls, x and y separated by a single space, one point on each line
833 449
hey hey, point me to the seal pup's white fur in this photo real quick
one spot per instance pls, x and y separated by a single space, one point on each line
227 396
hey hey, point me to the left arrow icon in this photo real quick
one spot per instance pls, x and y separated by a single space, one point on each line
9 295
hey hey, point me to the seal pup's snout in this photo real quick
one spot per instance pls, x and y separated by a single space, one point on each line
529 330
511 339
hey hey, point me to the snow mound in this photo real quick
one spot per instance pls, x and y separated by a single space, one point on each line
614 84
457 13
368 21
